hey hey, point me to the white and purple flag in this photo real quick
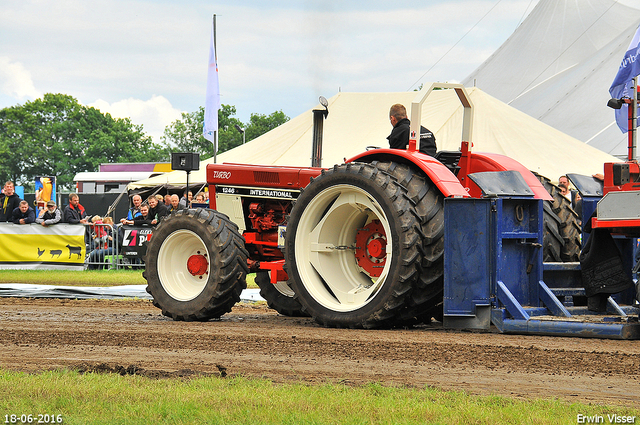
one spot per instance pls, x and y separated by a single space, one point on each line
212 102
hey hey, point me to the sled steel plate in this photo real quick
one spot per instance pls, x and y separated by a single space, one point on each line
501 183
619 206
586 185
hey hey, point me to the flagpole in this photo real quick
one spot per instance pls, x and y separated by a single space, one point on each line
634 121
215 133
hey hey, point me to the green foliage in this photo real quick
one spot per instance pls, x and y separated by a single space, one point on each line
185 135
57 136
260 124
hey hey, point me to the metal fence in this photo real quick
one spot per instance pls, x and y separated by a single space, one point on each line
115 246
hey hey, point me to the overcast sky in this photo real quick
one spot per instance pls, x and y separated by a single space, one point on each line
147 59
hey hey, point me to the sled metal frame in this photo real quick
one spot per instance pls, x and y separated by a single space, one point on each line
493 274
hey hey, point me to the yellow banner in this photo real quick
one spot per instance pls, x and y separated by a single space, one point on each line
60 244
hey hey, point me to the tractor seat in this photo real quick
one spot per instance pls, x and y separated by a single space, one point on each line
450 160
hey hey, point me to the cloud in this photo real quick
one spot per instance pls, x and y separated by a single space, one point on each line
271 55
153 114
16 80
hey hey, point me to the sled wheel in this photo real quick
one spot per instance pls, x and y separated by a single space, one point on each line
279 296
196 265
426 298
347 206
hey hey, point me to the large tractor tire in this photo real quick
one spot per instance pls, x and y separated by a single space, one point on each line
353 246
425 300
196 265
279 296
568 225
552 240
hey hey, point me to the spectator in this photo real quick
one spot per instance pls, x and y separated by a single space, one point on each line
157 210
200 198
109 226
563 184
184 202
167 201
175 204
24 214
104 243
74 213
9 201
133 211
144 219
100 234
50 215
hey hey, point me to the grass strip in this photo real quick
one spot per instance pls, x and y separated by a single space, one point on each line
82 278
94 398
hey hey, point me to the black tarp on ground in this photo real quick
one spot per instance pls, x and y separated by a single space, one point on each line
84 292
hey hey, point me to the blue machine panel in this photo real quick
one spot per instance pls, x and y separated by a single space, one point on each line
493 274
468 264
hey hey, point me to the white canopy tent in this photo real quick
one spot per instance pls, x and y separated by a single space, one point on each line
559 64
359 120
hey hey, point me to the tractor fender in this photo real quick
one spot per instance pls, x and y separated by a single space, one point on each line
445 180
475 162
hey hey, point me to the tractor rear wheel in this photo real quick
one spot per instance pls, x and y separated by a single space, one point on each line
568 226
426 298
196 265
279 296
352 247
552 240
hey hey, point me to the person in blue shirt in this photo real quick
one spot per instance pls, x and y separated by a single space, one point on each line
133 211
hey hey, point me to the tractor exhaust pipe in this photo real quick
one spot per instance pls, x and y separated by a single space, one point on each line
319 116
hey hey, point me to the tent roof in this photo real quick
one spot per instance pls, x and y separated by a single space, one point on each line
359 120
112 176
559 64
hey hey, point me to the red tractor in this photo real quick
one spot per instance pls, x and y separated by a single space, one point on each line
358 245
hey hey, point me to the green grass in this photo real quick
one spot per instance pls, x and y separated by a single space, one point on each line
74 278
82 278
113 399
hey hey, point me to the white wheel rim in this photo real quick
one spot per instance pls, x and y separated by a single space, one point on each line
328 270
282 286
173 256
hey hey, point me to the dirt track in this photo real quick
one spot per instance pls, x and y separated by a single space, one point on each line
132 337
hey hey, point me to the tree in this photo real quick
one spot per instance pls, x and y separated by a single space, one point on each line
185 135
56 136
260 124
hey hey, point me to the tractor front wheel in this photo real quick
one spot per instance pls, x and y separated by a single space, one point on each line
196 265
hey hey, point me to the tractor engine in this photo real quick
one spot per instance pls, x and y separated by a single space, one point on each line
267 216
262 238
